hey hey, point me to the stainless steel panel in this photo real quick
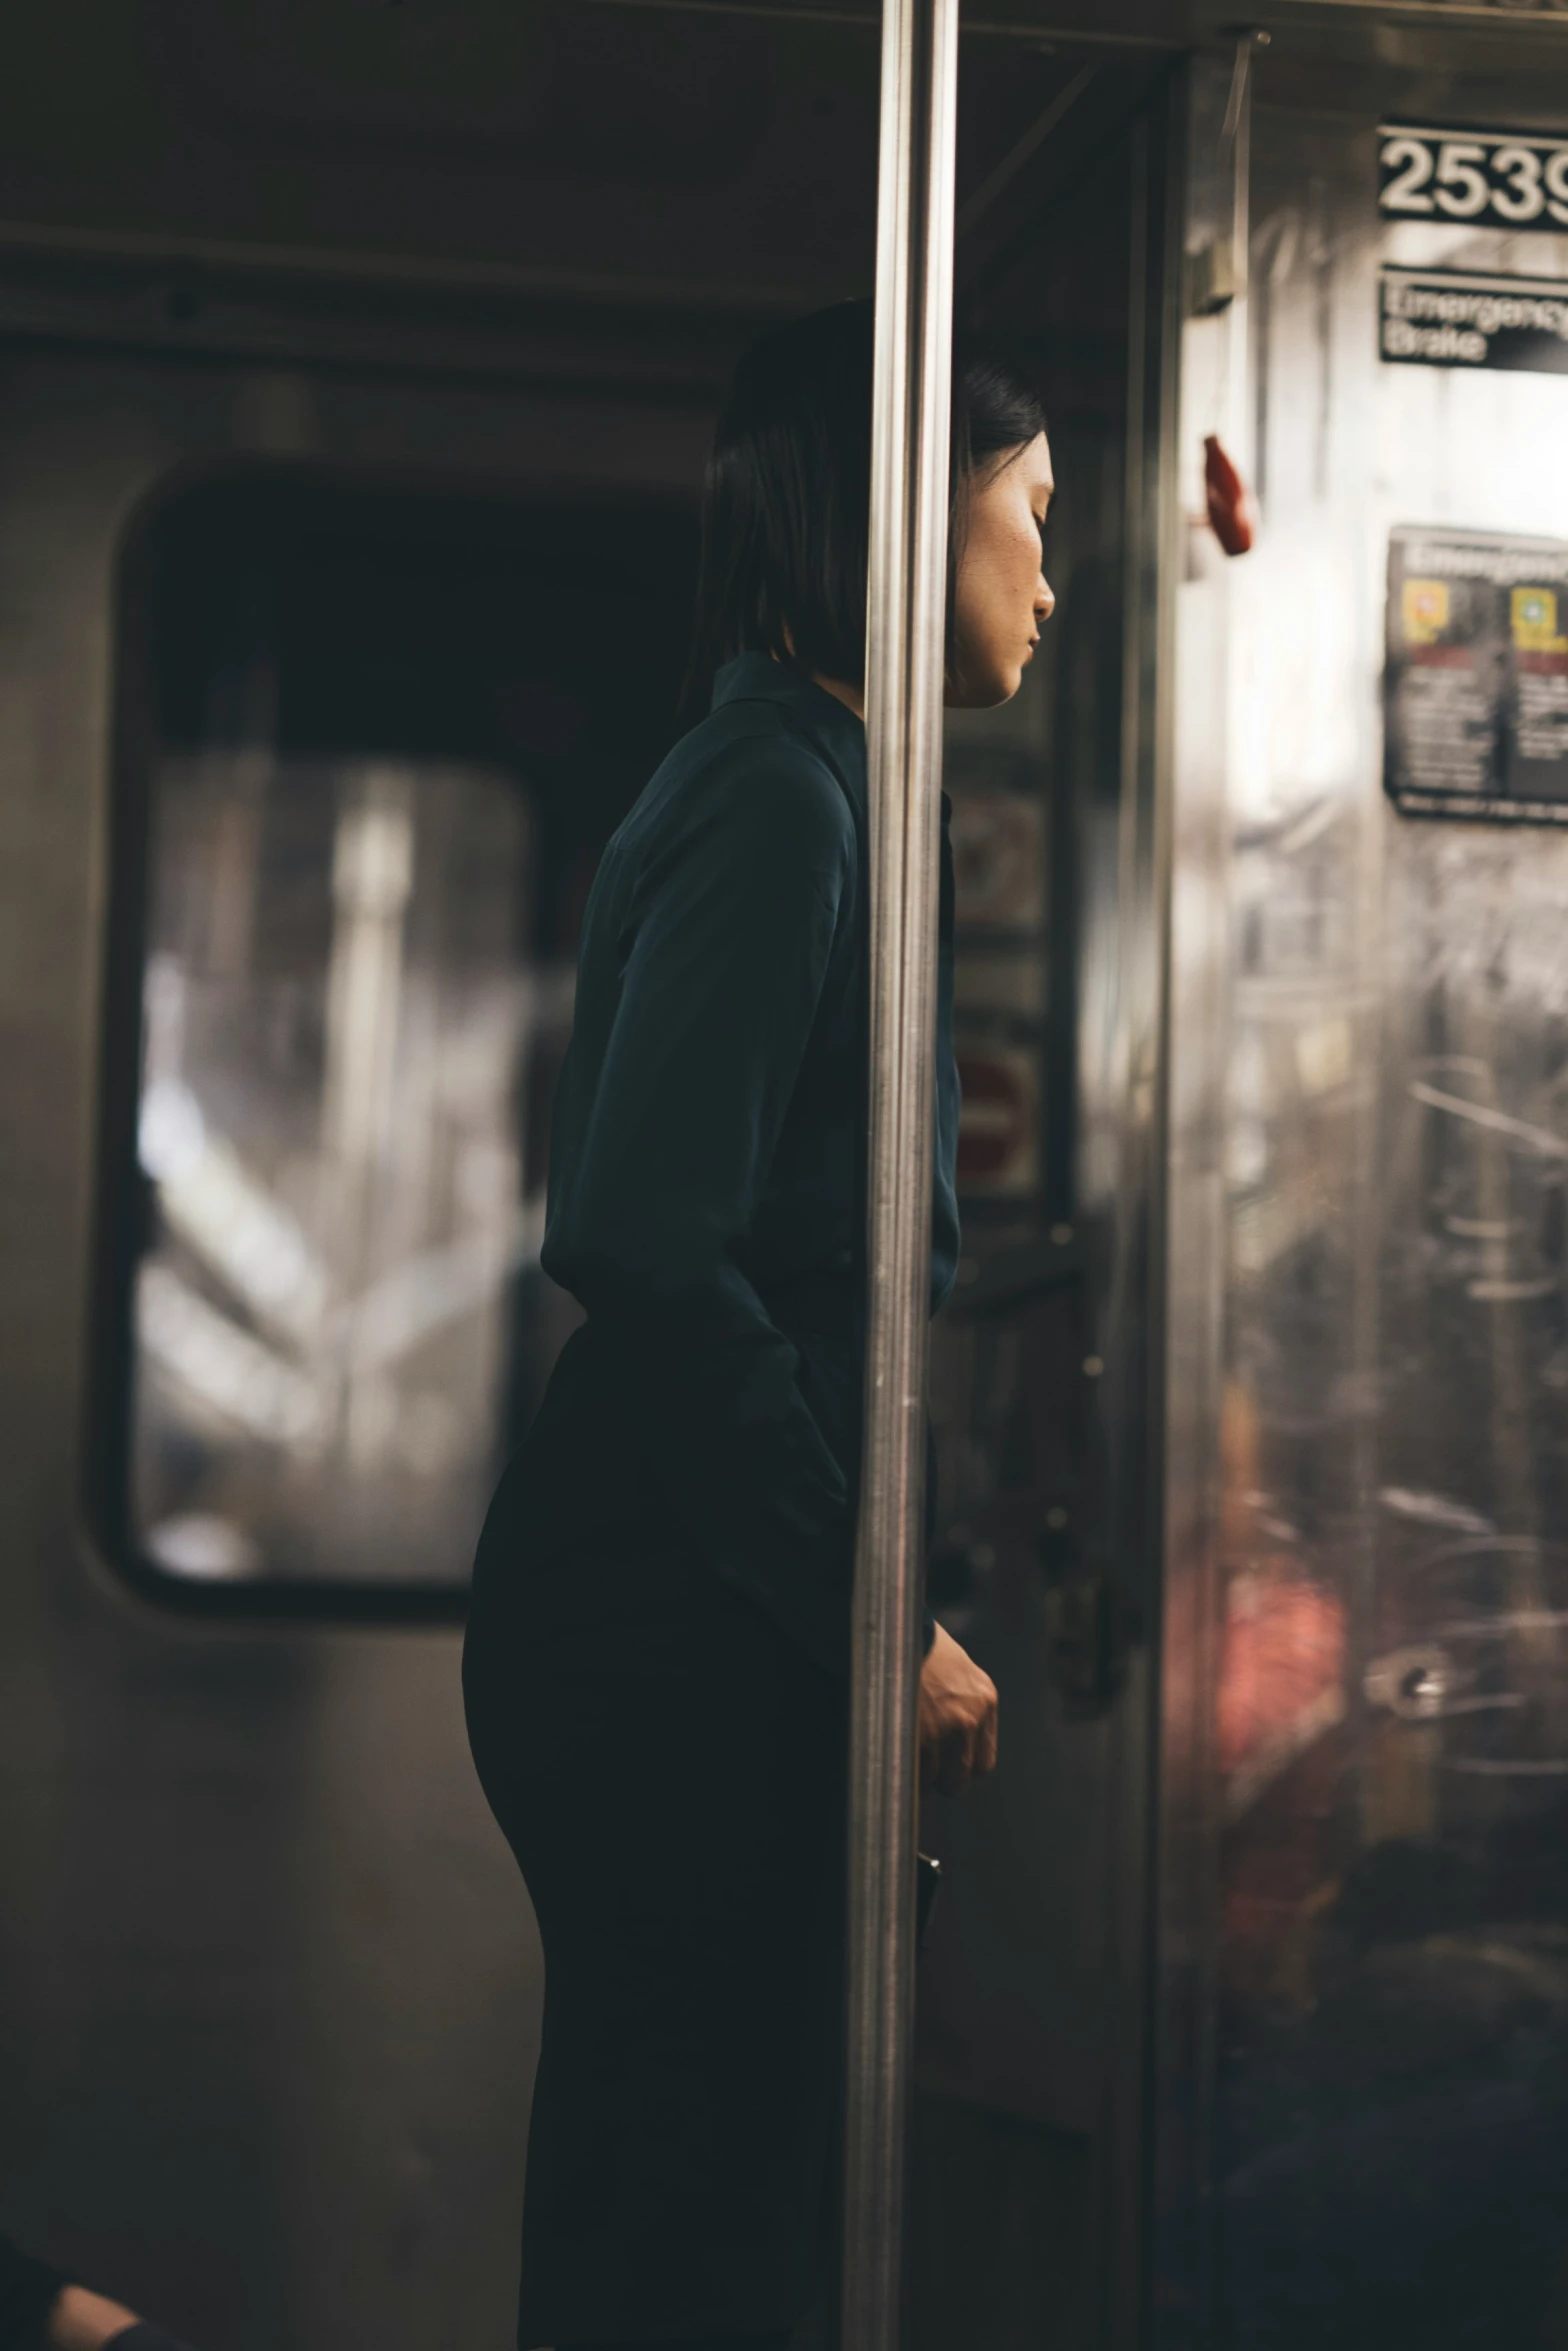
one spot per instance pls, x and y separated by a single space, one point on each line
1364 1908
1030 2120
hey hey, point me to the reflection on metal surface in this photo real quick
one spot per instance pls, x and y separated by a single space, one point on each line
999 1127
1001 997
1495 1120
906 571
1281 1679
1366 1662
998 859
1414 1683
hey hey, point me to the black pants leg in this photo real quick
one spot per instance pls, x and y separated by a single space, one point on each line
669 1772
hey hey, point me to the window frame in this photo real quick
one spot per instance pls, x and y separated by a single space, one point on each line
106 1484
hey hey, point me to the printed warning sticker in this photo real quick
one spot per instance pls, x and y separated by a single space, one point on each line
1452 318
1476 680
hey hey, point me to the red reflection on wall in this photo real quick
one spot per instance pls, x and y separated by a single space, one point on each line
1281 1678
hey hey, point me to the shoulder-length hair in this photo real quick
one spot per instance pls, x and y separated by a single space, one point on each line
786 503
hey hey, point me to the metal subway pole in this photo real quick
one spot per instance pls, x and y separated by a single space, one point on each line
905 646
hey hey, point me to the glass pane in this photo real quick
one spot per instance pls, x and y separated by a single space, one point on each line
336 1005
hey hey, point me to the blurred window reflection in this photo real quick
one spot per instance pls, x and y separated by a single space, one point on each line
381 771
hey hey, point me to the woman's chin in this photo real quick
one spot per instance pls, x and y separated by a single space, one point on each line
1001 688
988 691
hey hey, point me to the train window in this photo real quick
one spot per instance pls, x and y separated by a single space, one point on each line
368 766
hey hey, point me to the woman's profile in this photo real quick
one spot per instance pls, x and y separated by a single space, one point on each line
655 1668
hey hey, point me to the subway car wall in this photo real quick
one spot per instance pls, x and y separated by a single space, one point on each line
1027 2186
1365 1934
356 374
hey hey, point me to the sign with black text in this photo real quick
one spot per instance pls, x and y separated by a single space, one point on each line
1497 179
1450 318
1476 680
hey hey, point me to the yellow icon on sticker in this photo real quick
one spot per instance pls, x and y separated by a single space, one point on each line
1426 611
1535 621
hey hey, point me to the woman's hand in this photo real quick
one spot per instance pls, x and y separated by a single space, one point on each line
957 1718
80 2321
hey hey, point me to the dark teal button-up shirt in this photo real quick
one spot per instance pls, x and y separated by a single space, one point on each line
707 1171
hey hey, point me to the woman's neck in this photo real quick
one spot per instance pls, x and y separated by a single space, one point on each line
852 697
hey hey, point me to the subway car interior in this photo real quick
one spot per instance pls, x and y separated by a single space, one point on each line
358 362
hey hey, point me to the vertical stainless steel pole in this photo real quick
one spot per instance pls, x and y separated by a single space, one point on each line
905 643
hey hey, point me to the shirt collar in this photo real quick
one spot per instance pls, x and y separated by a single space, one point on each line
757 677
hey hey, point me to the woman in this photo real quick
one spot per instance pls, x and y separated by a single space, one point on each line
656 1657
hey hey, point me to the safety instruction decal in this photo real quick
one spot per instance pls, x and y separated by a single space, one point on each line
1476 683
1448 318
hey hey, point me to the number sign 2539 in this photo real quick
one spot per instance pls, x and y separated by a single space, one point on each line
1501 179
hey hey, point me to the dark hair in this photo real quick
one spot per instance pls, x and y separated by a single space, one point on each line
786 504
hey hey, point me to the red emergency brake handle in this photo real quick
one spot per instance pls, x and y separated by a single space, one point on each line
1230 512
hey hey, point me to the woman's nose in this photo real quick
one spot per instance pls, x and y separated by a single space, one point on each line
1044 597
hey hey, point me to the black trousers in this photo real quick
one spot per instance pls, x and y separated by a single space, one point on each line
670 1773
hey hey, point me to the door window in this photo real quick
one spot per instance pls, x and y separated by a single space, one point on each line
378 766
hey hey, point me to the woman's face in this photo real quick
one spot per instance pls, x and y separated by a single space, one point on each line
1001 597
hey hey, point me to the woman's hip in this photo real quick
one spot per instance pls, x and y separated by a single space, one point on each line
630 1715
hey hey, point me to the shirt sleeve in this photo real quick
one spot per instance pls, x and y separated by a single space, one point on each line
726 947
29 2290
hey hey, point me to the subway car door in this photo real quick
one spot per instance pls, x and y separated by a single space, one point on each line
1363 2078
1029 2110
